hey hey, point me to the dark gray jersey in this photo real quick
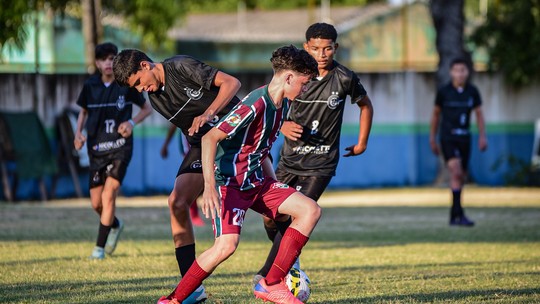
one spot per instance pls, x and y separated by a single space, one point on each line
189 90
456 110
320 112
108 107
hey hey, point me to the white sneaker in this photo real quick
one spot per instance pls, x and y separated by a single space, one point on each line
198 296
98 253
112 239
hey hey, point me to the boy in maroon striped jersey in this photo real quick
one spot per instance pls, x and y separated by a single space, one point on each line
233 154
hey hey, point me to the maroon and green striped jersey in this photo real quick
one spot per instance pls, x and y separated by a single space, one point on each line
252 127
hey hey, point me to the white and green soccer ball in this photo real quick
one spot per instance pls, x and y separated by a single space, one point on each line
299 284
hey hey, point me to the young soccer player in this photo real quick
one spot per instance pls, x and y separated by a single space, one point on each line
451 116
106 110
310 153
184 148
237 148
193 96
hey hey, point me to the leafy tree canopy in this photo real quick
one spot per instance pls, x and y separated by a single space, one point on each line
511 35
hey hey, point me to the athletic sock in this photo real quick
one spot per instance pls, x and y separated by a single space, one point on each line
271 255
115 223
103 233
185 256
457 210
189 282
291 245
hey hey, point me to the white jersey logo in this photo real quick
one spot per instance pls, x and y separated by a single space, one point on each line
121 102
194 94
334 100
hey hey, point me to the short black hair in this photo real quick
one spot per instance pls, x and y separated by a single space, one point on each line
459 60
291 58
104 50
321 30
126 63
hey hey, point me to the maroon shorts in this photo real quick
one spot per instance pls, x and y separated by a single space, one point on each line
264 199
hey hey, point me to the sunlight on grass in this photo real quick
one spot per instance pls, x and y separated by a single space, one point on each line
388 253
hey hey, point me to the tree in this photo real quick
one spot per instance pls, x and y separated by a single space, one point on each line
511 36
448 19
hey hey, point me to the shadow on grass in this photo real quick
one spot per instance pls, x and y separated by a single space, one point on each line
345 227
448 297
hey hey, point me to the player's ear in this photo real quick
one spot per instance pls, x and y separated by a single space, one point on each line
306 46
336 45
145 65
288 78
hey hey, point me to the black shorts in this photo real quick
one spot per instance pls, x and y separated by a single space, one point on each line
311 186
192 162
113 165
457 149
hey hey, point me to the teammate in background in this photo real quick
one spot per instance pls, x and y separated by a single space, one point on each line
184 148
453 106
192 96
310 154
238 147
106 110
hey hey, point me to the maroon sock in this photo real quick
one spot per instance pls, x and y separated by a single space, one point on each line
289 250
190 281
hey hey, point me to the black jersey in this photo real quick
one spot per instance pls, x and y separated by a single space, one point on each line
188 91
108 107
456 107
320 111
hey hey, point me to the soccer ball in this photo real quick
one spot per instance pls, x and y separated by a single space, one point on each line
299 284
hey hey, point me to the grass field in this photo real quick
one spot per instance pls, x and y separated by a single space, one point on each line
372 246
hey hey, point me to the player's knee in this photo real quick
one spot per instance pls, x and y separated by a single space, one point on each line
312 211
176 202
225 250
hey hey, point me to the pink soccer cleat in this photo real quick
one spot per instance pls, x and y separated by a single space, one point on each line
278 293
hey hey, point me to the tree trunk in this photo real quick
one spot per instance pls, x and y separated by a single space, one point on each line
92 30
449 21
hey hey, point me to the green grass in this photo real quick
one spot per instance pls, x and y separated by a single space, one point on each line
375 246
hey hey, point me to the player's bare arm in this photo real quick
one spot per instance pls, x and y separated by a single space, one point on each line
80 139
228 87
291 130
366 119
211 203
434 125
164 152
126 128
482 139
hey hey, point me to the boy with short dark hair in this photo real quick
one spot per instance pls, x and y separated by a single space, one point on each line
310 153
237 148
106 109
451 117
193 96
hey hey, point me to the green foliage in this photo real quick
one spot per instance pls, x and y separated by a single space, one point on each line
519 172
14 15
151 19
232 5
511 35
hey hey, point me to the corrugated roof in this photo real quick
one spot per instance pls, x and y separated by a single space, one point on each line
270 26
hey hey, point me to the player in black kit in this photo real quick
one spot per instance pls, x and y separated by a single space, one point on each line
192 96
453 106
310 154
106 110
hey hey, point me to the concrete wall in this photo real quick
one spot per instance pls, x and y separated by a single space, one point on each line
398 153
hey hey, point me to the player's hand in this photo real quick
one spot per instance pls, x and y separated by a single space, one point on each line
79 140
291 130
125 129
199 121
434 147
211 205
355 150
164 152
482 143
